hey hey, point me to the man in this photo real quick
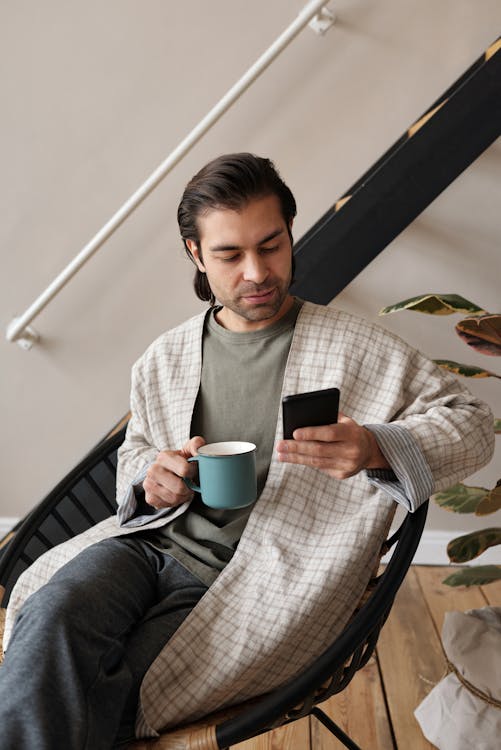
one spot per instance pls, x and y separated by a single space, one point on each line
273 582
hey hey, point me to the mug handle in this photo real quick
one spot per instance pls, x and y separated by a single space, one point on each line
187 480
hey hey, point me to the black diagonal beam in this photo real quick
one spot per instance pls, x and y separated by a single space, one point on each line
402 183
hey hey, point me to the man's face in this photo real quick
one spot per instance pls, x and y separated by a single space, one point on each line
247 256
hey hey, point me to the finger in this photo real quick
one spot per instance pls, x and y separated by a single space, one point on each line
150 493
312 453
328 433
160 496
158 502
192 446
173 462
165 482
314 460
155 500
337 455
340 430
339 468
309 446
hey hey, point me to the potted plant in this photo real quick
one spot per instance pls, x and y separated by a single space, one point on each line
480 330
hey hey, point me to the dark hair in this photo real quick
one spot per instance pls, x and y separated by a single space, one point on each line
230 181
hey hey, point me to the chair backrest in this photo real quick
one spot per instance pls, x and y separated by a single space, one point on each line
83 498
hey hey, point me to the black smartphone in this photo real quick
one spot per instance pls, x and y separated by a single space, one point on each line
312 409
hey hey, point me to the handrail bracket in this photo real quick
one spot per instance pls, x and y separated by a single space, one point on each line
322 22
25 338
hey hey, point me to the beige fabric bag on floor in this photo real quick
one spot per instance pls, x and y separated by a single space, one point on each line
464 710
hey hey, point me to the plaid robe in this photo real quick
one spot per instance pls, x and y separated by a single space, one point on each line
311 542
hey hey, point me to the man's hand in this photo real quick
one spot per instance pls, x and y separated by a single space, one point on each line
340 450
163 486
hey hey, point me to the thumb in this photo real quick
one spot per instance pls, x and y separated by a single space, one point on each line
192 446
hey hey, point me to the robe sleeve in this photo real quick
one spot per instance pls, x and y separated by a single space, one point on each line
409 481
438 434
135 455
137 451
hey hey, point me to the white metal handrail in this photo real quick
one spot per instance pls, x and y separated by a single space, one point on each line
314 14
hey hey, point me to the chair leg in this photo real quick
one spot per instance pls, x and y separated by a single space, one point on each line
334 729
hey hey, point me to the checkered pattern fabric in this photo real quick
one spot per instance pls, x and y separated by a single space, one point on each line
311 542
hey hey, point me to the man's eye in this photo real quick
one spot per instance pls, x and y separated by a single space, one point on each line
230 259
269 249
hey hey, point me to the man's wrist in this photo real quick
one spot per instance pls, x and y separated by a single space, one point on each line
376 459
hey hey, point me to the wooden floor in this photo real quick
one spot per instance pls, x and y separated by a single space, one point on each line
377 709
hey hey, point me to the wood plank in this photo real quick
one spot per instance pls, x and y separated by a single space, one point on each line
492 594
295 736
411 661
441 598
6 539
118 426
360 711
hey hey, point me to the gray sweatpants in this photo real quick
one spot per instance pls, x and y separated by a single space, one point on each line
82 644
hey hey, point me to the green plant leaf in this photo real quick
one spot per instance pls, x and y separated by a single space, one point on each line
468 371
434 304
479 575
497 426
491 503
460 498
482 333
472 545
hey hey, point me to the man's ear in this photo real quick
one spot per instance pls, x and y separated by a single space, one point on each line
195 254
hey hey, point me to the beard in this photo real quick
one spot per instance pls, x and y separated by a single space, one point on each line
254 310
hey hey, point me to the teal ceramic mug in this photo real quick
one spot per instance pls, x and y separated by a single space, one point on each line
227 474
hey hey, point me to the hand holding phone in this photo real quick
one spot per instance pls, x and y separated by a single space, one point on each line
340 451
312 409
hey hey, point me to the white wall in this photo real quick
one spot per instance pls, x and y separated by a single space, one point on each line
95 95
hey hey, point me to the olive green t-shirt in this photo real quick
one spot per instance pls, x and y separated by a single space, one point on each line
239 399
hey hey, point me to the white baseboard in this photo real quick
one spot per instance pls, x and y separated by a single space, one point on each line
433 545
431 550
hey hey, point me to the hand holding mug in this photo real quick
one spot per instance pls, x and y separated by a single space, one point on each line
164 486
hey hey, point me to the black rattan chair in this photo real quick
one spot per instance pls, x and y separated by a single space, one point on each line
87 495
81 499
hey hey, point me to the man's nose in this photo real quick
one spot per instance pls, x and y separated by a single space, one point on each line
255 269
